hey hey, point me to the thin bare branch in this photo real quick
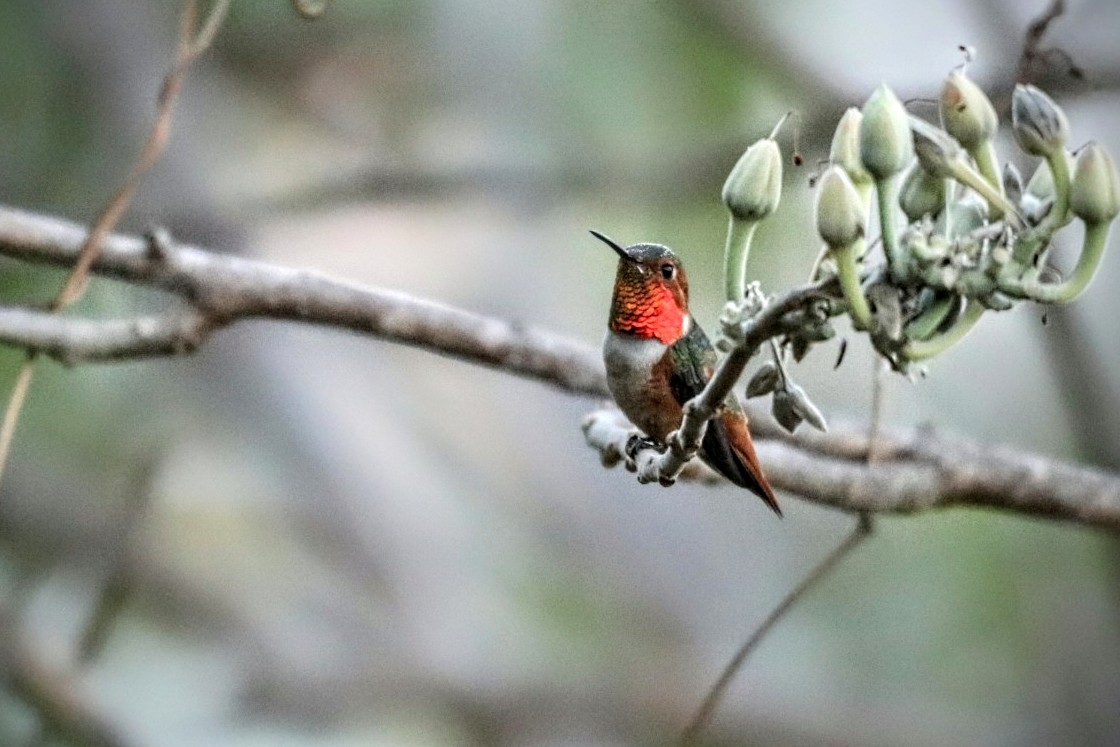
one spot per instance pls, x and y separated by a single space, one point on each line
704 713
190 46
15 406
56 697
863 528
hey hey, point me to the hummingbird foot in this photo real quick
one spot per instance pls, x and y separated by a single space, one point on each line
638 443
635 445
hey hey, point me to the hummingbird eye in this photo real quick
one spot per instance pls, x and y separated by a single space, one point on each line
667 271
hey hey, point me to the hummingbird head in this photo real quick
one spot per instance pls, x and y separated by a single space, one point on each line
650 292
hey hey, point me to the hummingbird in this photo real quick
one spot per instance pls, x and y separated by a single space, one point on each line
658 358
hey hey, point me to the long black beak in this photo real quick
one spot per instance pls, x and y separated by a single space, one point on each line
613 245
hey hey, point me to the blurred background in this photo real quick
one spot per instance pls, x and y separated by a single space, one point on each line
313 538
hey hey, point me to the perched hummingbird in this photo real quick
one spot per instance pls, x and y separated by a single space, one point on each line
658 358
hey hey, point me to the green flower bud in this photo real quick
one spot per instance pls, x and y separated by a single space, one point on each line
1041 185
839 210
885 146
921 194
1095 190
1040 126
942 156
935 150
754 186
966 112
845 147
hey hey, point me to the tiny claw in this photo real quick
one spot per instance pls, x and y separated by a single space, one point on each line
637 443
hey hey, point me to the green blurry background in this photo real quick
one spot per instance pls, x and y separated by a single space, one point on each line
351 543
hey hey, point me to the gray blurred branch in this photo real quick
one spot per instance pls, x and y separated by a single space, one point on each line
914 471
55 696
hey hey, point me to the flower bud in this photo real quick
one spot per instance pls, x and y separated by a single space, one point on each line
885 146
839 210
1095 189
845 147
754 186
935 150
966 112
784 410
921 194
1040 126
1041 184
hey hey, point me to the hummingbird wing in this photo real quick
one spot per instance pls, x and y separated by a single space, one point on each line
727 445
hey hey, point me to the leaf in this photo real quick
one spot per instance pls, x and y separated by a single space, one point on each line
784 411
805 408
764 381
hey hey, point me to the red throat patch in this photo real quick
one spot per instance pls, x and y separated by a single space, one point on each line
647 312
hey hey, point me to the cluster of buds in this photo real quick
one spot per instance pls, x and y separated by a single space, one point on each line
960 235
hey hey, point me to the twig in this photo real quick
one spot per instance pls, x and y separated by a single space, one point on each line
14 408
704 713
55 696
190 46
863 528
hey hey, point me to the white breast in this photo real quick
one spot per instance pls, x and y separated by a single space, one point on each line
629 361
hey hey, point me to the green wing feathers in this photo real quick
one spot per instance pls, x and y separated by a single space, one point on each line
727 446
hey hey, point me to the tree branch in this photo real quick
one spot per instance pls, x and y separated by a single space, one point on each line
223 289
916 470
